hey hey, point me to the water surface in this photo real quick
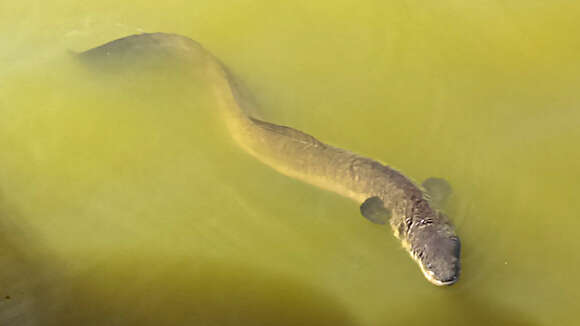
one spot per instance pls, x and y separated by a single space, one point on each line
123 199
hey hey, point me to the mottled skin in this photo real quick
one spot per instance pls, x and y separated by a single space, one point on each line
425 232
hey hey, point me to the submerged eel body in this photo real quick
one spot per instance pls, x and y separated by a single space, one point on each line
384 193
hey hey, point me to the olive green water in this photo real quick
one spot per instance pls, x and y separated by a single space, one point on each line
123 199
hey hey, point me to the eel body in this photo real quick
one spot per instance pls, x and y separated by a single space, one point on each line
385 194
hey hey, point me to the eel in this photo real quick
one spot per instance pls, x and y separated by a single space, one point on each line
384 194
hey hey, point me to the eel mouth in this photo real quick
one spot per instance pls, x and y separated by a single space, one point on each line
439 268
430 276
436 249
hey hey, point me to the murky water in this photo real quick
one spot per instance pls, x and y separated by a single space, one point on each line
123 199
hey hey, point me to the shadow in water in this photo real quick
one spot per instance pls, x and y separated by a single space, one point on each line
164 291
23 268
133 288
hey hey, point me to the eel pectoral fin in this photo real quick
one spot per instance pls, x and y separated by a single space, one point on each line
438 190
373 209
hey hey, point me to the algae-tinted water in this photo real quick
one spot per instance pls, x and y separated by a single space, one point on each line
124 201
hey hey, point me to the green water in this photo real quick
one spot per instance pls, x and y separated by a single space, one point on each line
123 199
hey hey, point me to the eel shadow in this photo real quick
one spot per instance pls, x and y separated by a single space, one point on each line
167 291
24 267
133 288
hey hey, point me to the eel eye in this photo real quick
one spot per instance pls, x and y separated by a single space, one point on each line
426 221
